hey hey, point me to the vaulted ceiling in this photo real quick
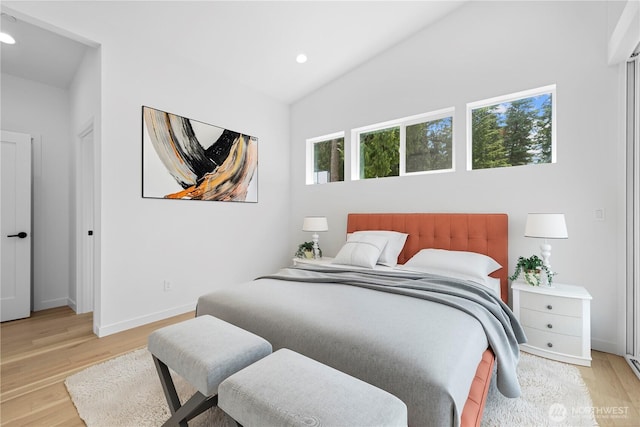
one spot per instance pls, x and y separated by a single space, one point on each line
255 43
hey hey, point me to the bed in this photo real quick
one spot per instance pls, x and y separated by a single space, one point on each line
409 340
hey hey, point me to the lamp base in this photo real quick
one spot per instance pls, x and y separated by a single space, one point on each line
545 252
316 247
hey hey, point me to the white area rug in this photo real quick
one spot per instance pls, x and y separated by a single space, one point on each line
553 394
126 391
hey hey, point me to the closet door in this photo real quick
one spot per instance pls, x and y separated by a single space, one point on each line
15 249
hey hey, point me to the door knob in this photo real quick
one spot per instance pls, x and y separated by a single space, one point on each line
21 235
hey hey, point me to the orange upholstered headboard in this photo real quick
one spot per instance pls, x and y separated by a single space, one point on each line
482 233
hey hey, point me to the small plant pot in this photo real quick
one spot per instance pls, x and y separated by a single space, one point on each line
308 254
532 277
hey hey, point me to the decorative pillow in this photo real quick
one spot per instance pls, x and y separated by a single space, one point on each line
395 243
467 263
361 251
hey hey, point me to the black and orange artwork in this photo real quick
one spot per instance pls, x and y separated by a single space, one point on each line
188 159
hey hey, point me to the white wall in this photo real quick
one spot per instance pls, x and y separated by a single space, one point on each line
197 246
43 112
482 50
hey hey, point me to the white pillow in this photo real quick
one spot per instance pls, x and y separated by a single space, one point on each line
467 263
361 250
395 243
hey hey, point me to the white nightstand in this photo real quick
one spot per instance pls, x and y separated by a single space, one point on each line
320 261
557 321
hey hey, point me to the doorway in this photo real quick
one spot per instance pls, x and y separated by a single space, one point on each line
633 213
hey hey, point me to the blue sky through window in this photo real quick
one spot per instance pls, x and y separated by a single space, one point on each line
538 102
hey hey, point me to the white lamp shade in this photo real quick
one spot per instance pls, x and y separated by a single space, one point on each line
315 223
546 226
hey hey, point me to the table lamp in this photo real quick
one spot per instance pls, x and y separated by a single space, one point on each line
315 224
546 226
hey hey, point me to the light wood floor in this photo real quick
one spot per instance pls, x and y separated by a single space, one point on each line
614 389
37 354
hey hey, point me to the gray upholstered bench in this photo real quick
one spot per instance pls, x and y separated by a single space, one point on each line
204 351
289 389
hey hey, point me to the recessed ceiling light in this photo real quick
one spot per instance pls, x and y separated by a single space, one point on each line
301 59
6 38
8 18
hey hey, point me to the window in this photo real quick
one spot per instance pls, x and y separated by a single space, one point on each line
512 130
325 159
417 144
429 146
380 153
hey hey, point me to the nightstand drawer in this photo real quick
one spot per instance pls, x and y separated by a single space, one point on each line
558 343
551 304
551 322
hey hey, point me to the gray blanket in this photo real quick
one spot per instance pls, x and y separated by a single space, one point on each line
503 330
385 330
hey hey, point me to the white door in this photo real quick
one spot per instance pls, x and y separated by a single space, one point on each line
15 249
85 288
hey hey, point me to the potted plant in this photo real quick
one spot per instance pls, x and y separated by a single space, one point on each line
305 250
531 268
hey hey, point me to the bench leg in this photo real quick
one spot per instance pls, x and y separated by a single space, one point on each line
180 414
197 404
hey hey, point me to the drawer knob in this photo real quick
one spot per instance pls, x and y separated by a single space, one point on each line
549 345
550 326
549 307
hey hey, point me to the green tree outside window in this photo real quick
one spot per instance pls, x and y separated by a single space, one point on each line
380 153
328 160
429 146
512 133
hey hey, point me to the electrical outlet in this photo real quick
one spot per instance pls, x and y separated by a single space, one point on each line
599 214
167 285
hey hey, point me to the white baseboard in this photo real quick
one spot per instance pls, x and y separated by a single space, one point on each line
103 331
72 304
606 346
634 362
52 303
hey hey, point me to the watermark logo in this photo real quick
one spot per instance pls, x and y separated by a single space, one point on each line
557 412
602 412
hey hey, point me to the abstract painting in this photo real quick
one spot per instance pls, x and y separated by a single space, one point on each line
187 159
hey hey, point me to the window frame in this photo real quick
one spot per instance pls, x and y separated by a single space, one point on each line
549 89
402 124
310 155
